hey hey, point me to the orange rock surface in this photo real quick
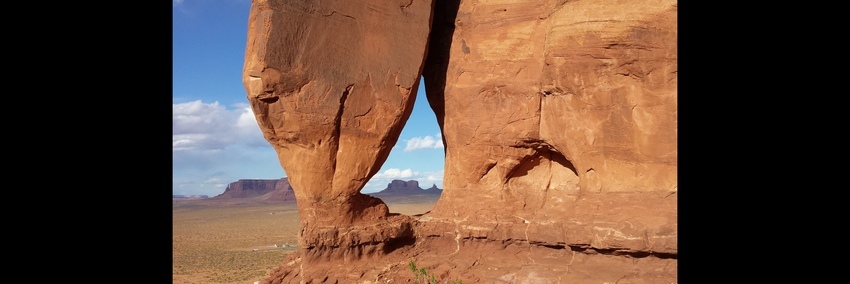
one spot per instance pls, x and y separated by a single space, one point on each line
570 108
332 84
559 120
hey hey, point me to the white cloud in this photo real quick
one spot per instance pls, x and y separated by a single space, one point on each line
395 174
246 120
177 2
199 126
426 142
215 182
435 177
213 145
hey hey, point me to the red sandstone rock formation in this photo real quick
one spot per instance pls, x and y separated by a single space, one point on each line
559 120
332 84
578 143
259 189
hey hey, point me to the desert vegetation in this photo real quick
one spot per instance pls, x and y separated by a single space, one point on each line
421 275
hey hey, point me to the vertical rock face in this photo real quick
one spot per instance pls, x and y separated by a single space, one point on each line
578 143
331 84
586 86
575 157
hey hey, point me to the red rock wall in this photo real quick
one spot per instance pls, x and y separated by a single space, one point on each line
559 120
570 109
332 83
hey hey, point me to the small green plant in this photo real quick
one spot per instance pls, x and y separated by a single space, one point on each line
424 275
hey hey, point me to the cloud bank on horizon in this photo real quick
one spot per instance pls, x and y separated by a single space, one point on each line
214 145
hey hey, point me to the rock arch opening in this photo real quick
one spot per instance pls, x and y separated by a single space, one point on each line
410 181
334 84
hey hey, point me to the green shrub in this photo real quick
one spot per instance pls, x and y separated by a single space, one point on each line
424 275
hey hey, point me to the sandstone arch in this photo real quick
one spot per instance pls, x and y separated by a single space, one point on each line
559 121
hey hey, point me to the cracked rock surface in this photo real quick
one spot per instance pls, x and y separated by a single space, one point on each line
559 119
332 84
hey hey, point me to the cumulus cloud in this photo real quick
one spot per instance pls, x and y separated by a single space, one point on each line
199 126
213 145
426 142
395 174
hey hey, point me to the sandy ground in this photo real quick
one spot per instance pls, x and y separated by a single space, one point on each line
215 242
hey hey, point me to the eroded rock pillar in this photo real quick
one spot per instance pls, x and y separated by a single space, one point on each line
332 84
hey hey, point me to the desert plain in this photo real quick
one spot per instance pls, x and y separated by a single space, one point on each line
239 242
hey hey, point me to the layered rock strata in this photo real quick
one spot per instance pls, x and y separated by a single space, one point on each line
332 84
559 122
260 189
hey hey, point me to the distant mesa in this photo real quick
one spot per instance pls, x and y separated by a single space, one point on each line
406 188
281 190
259 190
180 196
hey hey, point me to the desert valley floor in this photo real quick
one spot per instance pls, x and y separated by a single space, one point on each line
236 242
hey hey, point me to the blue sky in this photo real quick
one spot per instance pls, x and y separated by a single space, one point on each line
215 137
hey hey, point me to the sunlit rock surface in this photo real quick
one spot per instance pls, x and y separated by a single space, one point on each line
559 120
332 84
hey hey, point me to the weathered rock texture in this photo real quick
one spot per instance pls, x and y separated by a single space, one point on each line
259 189
559 120
577 153
578 143
332 84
